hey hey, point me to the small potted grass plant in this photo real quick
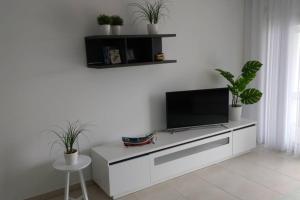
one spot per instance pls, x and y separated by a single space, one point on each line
151 12
116 24
104 21
68 137
238 88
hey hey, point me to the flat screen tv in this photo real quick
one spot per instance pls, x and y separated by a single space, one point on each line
197 107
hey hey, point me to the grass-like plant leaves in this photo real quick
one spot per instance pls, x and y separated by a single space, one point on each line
68 137
150 11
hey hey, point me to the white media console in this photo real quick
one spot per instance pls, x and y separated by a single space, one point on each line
121 170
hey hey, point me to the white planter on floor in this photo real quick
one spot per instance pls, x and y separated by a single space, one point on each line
105 29
116 29
71 159
235 113
152 29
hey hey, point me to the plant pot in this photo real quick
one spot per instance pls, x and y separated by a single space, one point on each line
71 158
105 29
235 113
116 29
152 29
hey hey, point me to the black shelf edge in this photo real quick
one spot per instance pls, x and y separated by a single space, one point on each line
101 66
128 36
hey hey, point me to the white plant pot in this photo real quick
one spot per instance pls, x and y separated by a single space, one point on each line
235 113
71 159
105 29
116 30
152 29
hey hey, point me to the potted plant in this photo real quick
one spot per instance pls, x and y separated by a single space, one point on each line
68 137
238 87
151 12
104 21
116 23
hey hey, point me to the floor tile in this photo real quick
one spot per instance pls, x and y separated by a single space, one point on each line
267 158
194 188
163 191
95 193
129 197
259 174
280 162
236 185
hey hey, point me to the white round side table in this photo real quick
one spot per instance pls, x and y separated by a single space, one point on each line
83 162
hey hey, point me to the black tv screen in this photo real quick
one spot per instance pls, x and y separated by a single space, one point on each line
197 107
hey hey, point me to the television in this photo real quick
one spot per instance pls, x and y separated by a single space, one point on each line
197 107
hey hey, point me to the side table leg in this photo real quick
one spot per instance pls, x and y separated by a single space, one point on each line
83 187
67 186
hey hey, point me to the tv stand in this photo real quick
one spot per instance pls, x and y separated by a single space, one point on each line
119 170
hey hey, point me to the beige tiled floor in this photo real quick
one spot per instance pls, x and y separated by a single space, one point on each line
259 175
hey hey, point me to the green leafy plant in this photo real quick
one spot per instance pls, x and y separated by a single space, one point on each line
238 86
68 137
104 20
116 20
150 11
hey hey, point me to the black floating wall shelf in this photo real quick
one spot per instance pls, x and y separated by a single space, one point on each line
134 50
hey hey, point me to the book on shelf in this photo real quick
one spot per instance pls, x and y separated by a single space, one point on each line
106 56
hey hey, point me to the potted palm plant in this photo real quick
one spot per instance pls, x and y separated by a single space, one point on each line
104 21
116 24
151 12
238 87
68 137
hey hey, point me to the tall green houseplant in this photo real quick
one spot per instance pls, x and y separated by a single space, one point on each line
241 94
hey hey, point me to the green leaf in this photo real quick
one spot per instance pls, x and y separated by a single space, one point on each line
226 75
241 84
150 11
70 135
250 96
250 69
233 90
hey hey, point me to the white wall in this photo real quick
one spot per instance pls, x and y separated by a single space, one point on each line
44 80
